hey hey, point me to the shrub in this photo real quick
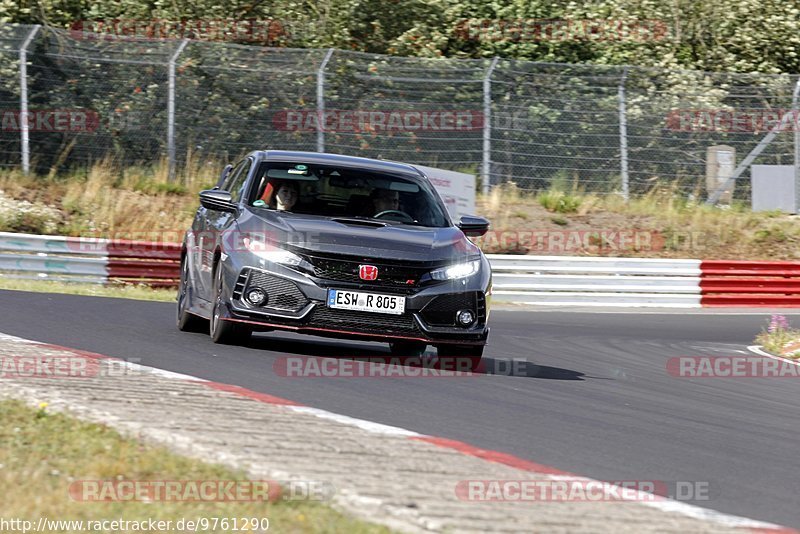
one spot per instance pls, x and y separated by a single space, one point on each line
559 202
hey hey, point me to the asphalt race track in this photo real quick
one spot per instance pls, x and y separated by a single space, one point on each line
593 398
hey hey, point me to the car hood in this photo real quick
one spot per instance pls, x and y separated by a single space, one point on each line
319 235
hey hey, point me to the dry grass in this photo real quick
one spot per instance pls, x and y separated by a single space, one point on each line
679 227
41 454
108 201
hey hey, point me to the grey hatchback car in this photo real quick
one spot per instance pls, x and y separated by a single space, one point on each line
336 246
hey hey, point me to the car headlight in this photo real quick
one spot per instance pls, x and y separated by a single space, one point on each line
459 270
272 253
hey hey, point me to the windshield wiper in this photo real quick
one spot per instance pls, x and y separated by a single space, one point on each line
362 221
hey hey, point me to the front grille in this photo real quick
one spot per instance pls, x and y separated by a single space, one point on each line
282 294
358 321
441 311
390 275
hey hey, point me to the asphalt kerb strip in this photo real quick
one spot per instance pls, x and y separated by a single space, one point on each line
388 475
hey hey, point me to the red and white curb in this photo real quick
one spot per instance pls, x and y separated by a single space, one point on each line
660 503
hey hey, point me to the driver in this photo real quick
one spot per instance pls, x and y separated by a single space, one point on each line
385 200
286 196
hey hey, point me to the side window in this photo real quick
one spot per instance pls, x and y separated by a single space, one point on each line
234 174
236 187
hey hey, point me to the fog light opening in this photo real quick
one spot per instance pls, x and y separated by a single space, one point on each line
465 317
257 297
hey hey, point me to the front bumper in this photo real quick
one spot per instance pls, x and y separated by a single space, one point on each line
298 302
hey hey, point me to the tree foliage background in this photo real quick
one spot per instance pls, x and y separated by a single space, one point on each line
712 35
557 118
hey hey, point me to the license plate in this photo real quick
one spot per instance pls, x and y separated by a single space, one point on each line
368 302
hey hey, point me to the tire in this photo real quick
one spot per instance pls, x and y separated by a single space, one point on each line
460 357
225 332
408 348
187 321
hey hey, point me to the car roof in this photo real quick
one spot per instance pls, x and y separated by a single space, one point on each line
321 158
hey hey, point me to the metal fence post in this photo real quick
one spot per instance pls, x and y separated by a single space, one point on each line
796 129
321 101
171 110
487 126
23 100
623 136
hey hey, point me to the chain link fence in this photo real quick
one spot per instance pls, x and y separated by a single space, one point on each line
604 129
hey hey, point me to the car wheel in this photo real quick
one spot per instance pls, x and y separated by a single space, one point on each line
460 357
221 331
187 322
407 348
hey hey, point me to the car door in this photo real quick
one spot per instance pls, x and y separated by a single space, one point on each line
217 224
196 238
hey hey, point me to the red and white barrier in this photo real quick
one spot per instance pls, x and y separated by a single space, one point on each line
750 283
91 260
638 282
545 280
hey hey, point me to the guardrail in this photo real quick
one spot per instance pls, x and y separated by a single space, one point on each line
90 260
579 281
750 283
541 280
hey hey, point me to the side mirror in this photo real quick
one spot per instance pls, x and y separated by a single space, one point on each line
216 199
222 177
473 226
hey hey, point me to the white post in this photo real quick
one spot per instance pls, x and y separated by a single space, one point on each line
23 100
796 129
321 101
171 109
791 115
623 136
743 166
487 126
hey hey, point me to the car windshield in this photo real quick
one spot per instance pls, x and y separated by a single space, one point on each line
335 191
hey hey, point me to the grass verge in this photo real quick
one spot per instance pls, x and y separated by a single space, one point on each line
41 454
137 292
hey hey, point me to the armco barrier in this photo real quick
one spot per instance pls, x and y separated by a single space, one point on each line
73 259
579 281
544 280
750 283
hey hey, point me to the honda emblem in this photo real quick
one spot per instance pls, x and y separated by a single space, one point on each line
367 272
